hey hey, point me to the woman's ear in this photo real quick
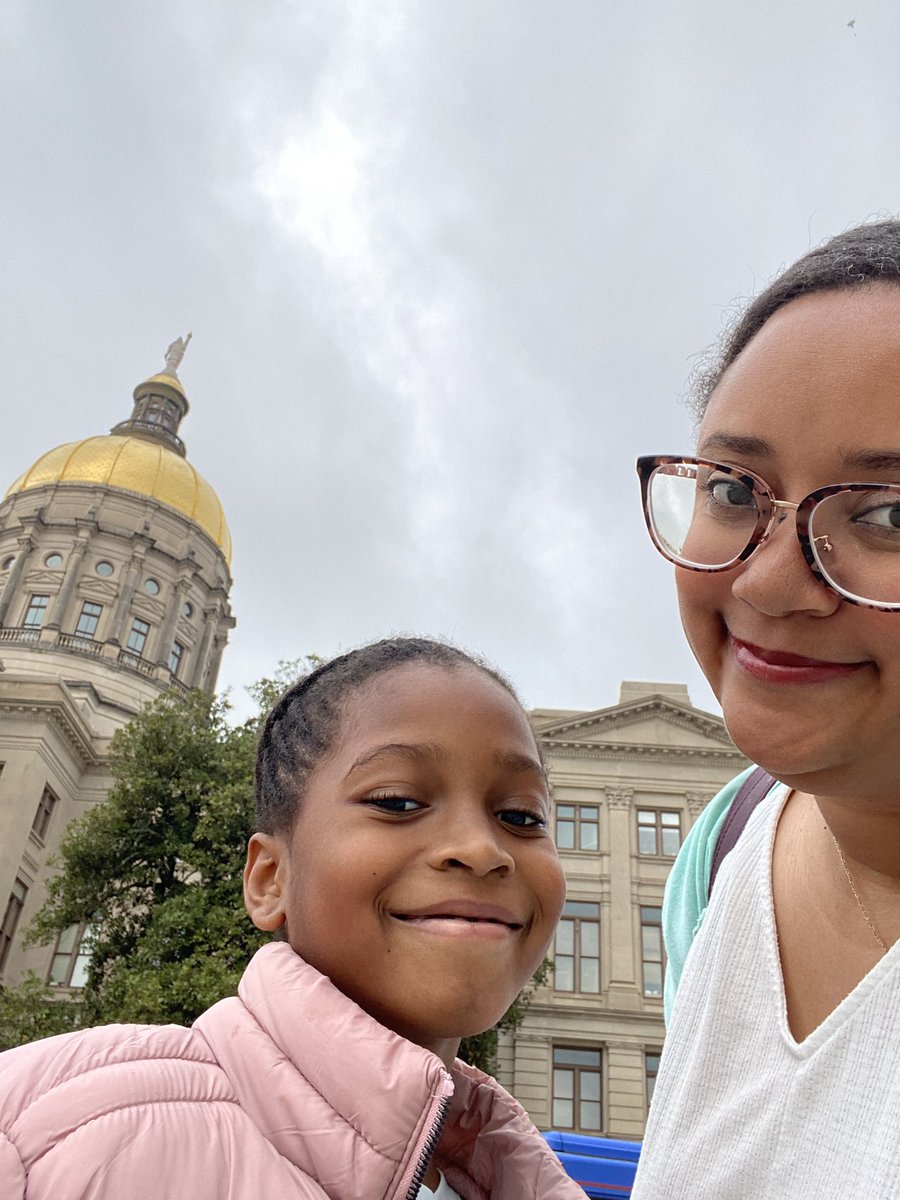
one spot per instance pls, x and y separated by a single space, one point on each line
265 879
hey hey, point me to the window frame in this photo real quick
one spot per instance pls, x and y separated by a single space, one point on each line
86 617
660 828
578 920
43 814
176 660
76 957
650 1075
40 610
135 633
15 905
649 923
578 1071
578 825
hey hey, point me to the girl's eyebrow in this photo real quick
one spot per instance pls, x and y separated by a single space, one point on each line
513 761
400 749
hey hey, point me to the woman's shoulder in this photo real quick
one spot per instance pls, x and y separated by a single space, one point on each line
687 889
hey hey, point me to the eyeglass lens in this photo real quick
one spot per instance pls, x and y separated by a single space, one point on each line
703 516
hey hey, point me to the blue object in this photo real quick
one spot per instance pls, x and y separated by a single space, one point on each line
605 1167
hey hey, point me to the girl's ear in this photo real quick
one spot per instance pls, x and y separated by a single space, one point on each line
265 877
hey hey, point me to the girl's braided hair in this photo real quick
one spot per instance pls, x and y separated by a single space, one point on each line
863 255
303 725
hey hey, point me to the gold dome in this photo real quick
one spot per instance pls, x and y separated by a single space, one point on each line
134 465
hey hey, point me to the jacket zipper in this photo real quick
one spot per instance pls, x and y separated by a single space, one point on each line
428 1147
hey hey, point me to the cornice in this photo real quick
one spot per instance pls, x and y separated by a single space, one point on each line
637 752
60 713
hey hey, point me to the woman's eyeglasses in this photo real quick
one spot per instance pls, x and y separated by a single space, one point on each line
709 516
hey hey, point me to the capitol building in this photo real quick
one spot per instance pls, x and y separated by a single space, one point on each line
114 588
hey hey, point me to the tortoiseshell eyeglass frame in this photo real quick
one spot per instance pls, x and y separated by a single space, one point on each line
771 511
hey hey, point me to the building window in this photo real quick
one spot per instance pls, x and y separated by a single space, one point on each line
653 952
14 907
577 827
41 822
104 568
659 832
53 561
89 619
137 639
651 1070
175 658
577 1077
7 562
71 958
577 957
37 610
151 587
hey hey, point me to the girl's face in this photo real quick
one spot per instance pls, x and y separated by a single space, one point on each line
421 875
807 682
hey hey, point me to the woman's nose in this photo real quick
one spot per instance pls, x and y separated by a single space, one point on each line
776 579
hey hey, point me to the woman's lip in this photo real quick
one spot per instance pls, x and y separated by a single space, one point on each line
780 666
462 910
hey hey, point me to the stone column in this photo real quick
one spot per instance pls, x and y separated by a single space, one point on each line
199 667
126 594
212 671
622 975
696 804
26 545
167 631
58 615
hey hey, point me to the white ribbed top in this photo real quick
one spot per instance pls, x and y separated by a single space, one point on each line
742 1111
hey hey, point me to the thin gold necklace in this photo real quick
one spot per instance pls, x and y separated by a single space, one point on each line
859 904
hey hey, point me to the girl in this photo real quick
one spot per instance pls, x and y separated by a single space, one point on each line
781 1072
404 859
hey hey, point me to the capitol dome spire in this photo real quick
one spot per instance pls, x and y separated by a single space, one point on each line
160 404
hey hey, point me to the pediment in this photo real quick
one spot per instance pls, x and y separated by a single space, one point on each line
98 589
654 720
40 578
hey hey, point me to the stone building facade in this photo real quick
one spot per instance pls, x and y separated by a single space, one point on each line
628 783
114 588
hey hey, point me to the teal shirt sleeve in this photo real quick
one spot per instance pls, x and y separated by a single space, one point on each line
687 890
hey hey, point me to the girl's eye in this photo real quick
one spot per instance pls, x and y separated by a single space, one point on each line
401 805
520 818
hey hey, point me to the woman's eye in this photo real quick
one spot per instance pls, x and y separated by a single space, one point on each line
730 493
886 516
395 804
520 818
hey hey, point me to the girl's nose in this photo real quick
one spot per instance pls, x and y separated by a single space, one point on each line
472 844
776 579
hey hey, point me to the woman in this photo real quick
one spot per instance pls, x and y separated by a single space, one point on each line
781 1072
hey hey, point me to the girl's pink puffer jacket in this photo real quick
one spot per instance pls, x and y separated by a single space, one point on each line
288 1090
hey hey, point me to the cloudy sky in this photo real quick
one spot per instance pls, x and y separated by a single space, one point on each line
448 265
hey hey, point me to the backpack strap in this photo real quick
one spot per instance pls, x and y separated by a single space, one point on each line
754 789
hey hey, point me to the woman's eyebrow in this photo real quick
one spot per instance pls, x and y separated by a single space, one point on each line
736 444
873 460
